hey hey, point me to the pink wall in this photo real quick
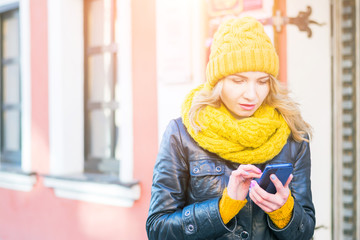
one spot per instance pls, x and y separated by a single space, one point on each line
145 104
39 214
39 90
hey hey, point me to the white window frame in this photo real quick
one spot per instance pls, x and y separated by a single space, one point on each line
66 106
24 179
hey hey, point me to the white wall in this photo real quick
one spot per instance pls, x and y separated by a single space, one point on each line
180 55
309 78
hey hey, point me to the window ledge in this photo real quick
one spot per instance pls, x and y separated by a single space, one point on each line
17 180
86 187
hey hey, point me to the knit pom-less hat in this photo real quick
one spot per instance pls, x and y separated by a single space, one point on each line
241 45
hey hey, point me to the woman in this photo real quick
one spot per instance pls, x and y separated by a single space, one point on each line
232 127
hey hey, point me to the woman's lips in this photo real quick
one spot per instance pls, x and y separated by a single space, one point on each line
248 107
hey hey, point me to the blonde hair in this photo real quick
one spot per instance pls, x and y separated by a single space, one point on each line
278 98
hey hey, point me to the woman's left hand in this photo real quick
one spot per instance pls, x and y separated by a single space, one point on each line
267 201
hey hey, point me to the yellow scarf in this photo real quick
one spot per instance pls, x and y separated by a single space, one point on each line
251 140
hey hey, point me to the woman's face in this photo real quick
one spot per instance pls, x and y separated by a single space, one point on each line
243 93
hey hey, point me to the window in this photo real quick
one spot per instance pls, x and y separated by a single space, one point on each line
101 102
10 99
87 162
15 97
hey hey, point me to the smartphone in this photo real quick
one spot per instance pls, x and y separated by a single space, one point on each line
282 172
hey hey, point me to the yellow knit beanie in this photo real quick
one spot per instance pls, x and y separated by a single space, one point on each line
241 45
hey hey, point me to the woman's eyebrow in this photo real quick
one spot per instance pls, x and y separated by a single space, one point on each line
239 75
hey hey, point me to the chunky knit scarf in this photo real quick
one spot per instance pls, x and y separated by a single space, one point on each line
251 140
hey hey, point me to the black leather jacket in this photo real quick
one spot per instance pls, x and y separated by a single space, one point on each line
188 182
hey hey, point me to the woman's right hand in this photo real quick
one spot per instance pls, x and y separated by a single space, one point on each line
240 180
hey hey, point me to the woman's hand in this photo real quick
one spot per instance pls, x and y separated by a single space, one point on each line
240 179
267 201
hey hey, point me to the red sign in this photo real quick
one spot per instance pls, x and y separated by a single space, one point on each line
224 7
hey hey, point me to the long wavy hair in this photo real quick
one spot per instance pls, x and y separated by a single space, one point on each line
278 98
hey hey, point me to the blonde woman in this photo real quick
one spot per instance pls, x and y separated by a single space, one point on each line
240 121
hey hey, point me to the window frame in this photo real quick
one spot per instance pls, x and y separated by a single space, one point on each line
21 179
10 158
66 78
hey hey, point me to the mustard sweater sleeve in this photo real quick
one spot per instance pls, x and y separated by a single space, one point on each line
229 207
282 216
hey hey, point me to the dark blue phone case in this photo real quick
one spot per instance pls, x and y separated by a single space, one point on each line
282 172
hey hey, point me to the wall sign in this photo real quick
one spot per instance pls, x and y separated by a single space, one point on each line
174 41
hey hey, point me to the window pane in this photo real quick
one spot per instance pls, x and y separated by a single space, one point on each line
11 84
100 137
11 130
99 23
100 54
100 75
109 166
10 34
118 129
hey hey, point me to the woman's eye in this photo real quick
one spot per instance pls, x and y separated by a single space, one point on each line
262 82
238 80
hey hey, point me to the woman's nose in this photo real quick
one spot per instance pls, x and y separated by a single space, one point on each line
250 92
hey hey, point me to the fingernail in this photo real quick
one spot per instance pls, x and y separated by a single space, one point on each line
259 170
273 177
252 184
247 173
